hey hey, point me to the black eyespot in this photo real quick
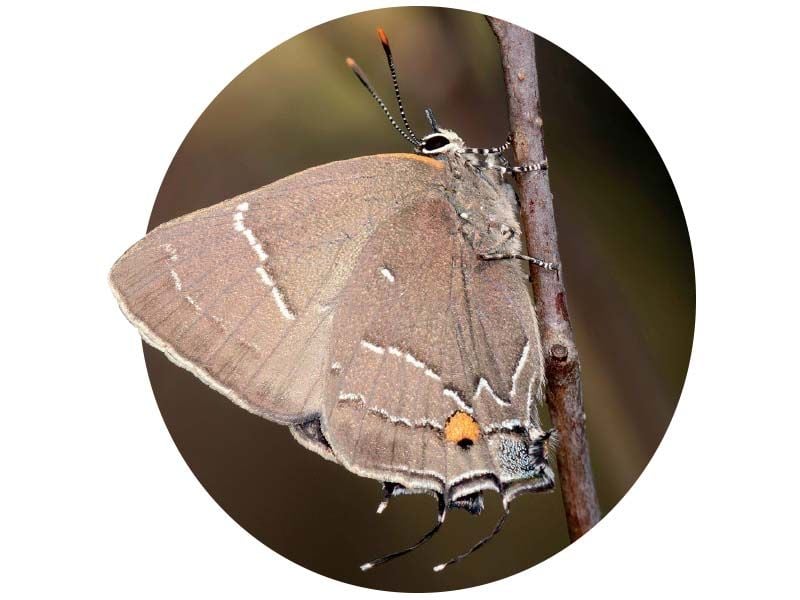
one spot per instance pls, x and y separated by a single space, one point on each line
464 443
435 142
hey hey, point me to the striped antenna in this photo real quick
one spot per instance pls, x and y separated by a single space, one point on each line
365 82
385 43
422 540
461 557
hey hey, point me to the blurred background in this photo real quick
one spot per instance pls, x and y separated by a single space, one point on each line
627 266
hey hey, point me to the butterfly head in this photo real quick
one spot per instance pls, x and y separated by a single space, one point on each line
441 141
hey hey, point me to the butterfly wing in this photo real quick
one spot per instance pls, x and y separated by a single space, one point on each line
438 360
243 293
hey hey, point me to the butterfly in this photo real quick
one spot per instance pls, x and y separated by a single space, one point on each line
376 306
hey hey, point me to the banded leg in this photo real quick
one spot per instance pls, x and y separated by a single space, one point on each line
547 266
542 166
495 150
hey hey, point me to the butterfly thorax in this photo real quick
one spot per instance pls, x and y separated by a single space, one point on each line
485 204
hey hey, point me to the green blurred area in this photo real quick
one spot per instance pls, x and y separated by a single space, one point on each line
624 245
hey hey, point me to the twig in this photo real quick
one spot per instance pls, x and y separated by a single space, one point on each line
564 395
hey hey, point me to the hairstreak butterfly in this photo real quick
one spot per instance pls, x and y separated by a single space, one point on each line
376 306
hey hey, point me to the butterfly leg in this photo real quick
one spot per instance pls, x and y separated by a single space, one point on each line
494 150
547 266
482 160
540 166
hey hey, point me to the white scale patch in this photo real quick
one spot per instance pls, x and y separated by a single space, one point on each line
483 385
262 256
383 413
173 254
520 364
265 278
251 239
506 425
387 274
432 375
192 301
410 359
533 415
372 347
453 395
176 279
430 423
281 303
390 418
258 249
417 363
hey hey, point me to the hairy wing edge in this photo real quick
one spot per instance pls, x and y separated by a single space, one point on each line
175 357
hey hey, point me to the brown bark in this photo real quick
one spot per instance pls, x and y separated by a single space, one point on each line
564 394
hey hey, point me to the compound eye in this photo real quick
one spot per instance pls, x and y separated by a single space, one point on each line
435 142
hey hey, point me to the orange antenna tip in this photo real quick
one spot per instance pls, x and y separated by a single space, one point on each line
382 36
359 73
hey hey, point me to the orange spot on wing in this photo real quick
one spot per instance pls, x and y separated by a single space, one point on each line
461 427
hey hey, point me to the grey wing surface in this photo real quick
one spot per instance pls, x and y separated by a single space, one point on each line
243 294
430 331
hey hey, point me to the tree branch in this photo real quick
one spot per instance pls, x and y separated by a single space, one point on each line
564 395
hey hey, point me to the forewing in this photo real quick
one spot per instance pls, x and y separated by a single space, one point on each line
243 294
427 330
